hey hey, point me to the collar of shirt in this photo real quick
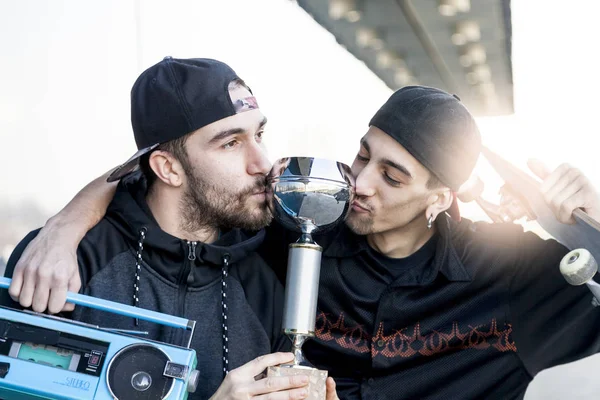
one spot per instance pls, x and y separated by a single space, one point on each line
446 260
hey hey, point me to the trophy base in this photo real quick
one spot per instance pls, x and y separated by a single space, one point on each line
316 378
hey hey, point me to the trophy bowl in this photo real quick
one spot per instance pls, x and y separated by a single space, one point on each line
310 195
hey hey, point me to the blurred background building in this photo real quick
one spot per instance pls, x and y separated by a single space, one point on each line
319 68
460 46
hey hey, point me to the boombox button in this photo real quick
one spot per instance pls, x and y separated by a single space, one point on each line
94 360
174 370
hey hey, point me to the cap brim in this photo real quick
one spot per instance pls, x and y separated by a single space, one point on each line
454 211
130 165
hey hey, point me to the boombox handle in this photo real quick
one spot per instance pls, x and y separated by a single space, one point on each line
123 309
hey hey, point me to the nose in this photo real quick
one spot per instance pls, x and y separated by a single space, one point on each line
365 182
258 163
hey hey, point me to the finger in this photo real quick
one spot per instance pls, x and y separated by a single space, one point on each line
561 203
561 184
57 301
58 298
16 285
565 213
58 285
41 296
259 364
277 383
28 288
74 286
68 307
330 389
551 180
292 394
539 168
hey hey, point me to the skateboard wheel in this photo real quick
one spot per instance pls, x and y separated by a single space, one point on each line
578 266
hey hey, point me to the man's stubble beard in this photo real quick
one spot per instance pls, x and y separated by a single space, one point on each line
364 224
360 225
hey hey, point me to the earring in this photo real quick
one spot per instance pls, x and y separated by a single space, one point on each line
430 221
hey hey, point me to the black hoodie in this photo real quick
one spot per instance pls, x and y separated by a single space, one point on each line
180 278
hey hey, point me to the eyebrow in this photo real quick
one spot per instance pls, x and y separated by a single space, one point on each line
234 131
364 143
397 166
387 161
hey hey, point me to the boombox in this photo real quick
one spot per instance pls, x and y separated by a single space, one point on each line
47 357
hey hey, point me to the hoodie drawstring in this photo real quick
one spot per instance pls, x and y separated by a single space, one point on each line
225 273
138 263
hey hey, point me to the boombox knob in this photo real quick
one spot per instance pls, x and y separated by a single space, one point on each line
193 381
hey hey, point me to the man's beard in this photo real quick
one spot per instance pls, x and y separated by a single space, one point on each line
361 225
364 224
204 205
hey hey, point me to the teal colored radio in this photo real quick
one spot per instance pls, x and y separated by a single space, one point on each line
46 357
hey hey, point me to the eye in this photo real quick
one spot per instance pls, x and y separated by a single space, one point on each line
361 158
390 180
230 144
259 135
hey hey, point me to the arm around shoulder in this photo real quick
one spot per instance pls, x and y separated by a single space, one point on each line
47 268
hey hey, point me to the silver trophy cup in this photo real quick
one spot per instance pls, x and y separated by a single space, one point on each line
310 195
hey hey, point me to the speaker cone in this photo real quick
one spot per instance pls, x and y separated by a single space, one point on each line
136 372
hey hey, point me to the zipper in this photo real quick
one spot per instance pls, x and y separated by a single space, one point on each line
185 278
192 257
192 250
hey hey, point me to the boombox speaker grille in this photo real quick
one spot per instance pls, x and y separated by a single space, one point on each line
136 372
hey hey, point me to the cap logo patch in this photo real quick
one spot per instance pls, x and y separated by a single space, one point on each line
245 104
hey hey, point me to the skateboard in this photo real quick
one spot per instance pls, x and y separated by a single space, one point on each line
521 197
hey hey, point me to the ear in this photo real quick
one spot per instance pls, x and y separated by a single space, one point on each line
438 202
167 168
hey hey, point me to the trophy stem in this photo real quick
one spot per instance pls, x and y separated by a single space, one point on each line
297 342
306 238
301 292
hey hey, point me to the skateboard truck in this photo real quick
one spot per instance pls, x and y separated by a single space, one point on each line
512 206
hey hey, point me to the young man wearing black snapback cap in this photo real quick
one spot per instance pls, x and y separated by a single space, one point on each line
182 238
415 304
